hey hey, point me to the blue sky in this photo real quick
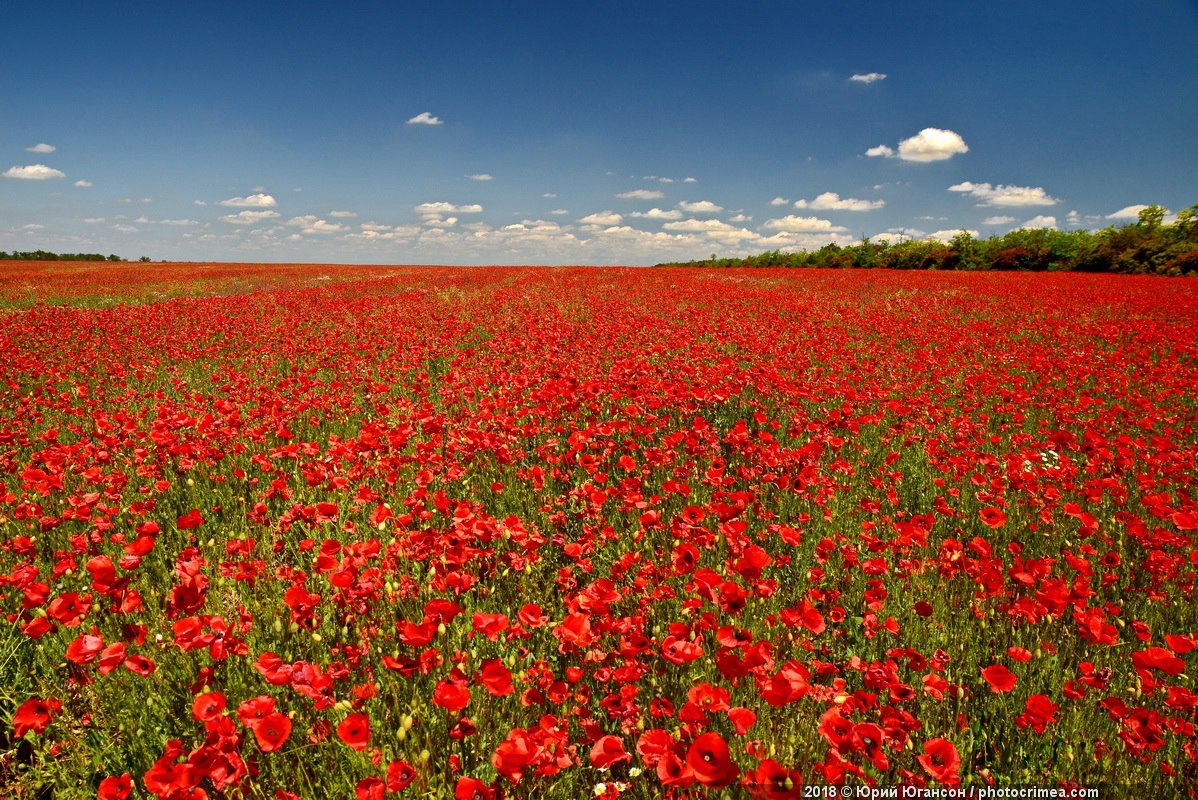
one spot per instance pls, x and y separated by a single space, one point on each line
564 133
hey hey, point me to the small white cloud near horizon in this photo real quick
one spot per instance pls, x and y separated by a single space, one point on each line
41 148
1001 195
795 224
930 144
441 207
779 201
1041 221
481 176
641 194
424 118
248 217
999 220
602 218
559 211
83 184
1128 212
657 213
689 179
312 224
868 77
949 235
33 172
259 200
700 207
831 201
343 213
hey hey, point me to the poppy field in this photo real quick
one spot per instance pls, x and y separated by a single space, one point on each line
594 532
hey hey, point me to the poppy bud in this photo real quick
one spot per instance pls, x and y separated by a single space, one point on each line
292 627
316 637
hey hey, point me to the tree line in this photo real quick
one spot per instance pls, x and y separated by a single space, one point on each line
44 255
1147 246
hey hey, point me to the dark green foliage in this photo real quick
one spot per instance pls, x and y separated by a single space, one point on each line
1147 246
43 255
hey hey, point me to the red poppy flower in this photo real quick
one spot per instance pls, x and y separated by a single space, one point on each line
673 771
468 788
1000 678
993 517
34 715
208 706
371 788
772 781
399 776
941 761
273 731
115 787
191 519
452 695
607 751
708 758
495 677
354 730
1040 712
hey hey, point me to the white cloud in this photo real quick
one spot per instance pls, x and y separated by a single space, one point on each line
442 207
424 118
657 213
831 201
999 220
248 217
341 214
641 194
698 225
259 200
124 229
602 218
93 220
549 195
739 218
41 148
1129 212
83 184
700 207
481 176
868 77
33 172
559 211
930 144
689 179
793 224
312 224
988 195
32 226
201 202
178 223
1041 221
779 201
947 235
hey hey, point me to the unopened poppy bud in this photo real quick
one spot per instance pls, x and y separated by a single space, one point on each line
191 482
292 627
424 756
316 637
441 628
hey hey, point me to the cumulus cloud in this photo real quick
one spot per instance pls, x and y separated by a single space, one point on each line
988 195
930 144
93 220
481 176
549 195
1129 212
312 224
259 200
33 172
340 214
602 218
41 148
868 77
424 118
83 184
442 207
559 211
739 218
998 220
689 179
948 235
700 207
641 194
779 201
831 201
657 213
794 224
248 217
1041 221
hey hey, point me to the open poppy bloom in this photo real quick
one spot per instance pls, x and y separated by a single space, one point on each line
710 762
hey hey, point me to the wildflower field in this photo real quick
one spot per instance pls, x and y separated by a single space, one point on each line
331 532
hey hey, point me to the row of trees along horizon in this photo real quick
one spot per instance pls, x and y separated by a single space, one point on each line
1147 246
45 255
